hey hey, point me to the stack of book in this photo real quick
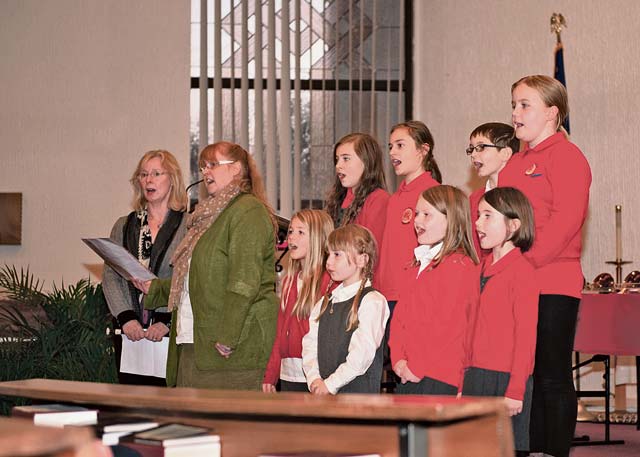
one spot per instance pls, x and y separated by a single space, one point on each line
57 415
174 440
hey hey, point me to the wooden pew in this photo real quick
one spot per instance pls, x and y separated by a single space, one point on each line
251 423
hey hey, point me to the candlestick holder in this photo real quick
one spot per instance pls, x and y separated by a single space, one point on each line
618 263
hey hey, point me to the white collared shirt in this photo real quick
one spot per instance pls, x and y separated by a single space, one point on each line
425 254
373 314
184 331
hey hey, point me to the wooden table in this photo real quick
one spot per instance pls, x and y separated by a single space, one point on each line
251 423
19 437
608 324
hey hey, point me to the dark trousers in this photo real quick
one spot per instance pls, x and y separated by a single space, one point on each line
288 386
554 405
479 382
426 386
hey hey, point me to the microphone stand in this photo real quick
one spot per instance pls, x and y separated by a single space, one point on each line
187 191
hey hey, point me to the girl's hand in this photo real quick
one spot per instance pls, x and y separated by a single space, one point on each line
268 388
398 369
225 351
133 330
409 376
156 331
142 286
513 406
318 387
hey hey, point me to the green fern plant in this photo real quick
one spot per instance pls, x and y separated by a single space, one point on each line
65 339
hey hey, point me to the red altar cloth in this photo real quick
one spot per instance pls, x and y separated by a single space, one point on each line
609 324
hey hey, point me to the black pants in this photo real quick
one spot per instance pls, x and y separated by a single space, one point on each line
426 386
554 405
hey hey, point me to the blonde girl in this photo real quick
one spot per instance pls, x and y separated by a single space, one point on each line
440 291
342 351
304 284
555 176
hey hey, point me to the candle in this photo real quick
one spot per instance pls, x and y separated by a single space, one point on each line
618 232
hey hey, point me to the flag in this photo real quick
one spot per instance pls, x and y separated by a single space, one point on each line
558 73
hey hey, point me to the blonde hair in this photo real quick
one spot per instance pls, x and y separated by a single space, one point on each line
318 225
250 180
552 93
454 204
354 240
177 193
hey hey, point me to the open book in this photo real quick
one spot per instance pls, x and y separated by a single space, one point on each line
119 259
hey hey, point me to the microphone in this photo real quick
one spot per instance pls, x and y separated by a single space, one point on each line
187 191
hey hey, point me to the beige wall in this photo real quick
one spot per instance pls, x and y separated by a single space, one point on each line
467 55
86 88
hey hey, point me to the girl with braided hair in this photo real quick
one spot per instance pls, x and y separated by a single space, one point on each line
342 353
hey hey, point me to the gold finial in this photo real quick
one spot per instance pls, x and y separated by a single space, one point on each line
558 22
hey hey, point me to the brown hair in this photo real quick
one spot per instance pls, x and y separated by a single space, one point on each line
319 225
552 92
177 193
422 137
454 204
500 134
369 151
513 204
354 240
250 180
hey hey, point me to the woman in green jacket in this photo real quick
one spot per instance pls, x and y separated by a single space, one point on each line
222 290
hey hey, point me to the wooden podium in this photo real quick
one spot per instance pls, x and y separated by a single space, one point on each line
251 423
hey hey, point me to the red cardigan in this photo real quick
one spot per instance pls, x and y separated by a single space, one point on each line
399 239
555 176
373 213
429 323
503 331
289 332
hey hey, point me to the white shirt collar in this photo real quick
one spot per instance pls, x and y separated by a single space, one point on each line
425 254
344 293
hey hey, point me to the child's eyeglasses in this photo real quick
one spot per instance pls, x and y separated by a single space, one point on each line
480 147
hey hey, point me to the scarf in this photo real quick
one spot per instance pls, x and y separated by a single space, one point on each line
199 222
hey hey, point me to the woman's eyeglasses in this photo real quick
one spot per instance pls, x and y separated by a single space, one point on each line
480 147
212 165
154 174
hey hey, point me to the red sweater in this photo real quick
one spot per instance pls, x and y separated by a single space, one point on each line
373 213
289 332
503 332
429 323
555 176
399 238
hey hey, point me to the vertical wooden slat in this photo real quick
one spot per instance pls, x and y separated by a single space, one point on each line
284 124
373 124
401 64
259 127
217 72
360 65
350 67
203 80
297 129
244 84
272 129
232 61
